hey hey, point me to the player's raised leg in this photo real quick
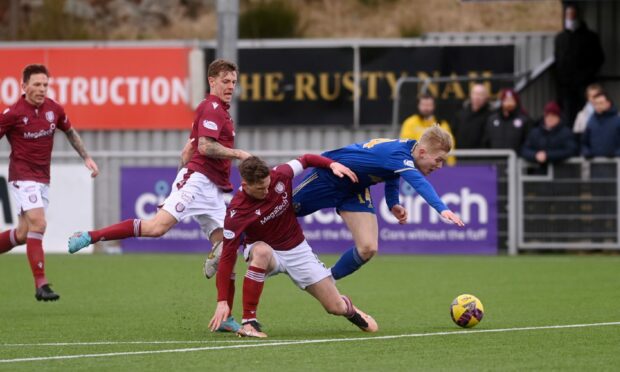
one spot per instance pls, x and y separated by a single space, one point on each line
334 303
154 227
365 231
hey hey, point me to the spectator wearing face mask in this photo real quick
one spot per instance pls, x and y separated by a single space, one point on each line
552 141
578 58
508 127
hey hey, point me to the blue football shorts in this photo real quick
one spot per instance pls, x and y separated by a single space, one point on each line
317 192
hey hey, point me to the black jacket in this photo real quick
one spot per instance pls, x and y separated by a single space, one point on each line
602 135
559 143
578 56
468 127
506 132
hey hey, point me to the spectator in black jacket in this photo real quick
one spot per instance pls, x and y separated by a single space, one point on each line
468 126
550 142
578 58
508 127
602 134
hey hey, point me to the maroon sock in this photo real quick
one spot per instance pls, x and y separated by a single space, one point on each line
36 257
8 240
252 289
231 293
121 230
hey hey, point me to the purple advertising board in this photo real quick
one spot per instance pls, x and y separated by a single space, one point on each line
470 191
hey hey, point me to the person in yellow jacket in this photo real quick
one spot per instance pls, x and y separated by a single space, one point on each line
415 125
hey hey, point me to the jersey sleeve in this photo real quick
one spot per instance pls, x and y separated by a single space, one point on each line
424 188
64 124
392 187
7 120
210 124
233 230
295 167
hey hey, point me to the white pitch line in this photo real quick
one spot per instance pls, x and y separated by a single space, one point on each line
99 343
302 342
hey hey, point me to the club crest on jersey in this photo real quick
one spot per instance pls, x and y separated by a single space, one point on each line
229 234
257 212
180 207
50 116
33 198
232 213
209 125
279 187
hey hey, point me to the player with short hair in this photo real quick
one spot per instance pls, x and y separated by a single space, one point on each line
376 161
262 218
199 187
29 126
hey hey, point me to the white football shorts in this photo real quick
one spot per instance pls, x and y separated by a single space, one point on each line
299 263
29 195
198 197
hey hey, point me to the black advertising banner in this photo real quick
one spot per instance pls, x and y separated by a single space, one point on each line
316 86
382 66
296 86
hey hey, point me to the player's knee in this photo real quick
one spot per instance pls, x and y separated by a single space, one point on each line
261 254
367 250
20 235
37 225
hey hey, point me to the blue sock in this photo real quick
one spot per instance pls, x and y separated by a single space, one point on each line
347 264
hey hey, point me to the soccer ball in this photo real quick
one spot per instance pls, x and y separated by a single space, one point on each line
466 310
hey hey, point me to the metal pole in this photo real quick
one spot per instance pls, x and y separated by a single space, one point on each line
227 35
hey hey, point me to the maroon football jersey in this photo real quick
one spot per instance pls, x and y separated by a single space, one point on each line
213 120
30 131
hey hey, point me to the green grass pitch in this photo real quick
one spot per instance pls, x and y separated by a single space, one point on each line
128 307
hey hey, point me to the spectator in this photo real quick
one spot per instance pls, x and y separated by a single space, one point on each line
578 58
469 123
602 134
416 124
508 127
550 142
588 109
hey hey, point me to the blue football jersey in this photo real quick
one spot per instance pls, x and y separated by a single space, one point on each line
383 160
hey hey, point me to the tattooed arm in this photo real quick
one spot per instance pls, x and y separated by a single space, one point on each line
207 146
76 141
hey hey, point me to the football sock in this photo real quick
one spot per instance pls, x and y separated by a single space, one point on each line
252 289
231 293
121 230
8 240
36 257
347 264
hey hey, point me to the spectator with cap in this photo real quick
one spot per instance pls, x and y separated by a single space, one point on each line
508 127
551 141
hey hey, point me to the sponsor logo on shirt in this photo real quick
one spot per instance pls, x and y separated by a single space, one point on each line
279 187
409 163
41 133
214 104
209 125
50 116
277 211
232 213
229 234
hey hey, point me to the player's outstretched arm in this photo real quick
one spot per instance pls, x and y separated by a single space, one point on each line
219 316
76 141
452 217
207 146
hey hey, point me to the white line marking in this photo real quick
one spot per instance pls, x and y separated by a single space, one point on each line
302 342
96 343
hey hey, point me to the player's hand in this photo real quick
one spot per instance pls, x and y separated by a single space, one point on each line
242 155
92 166
341 171
450 216
400 213
220 315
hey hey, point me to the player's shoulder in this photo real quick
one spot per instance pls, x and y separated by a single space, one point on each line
52 104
